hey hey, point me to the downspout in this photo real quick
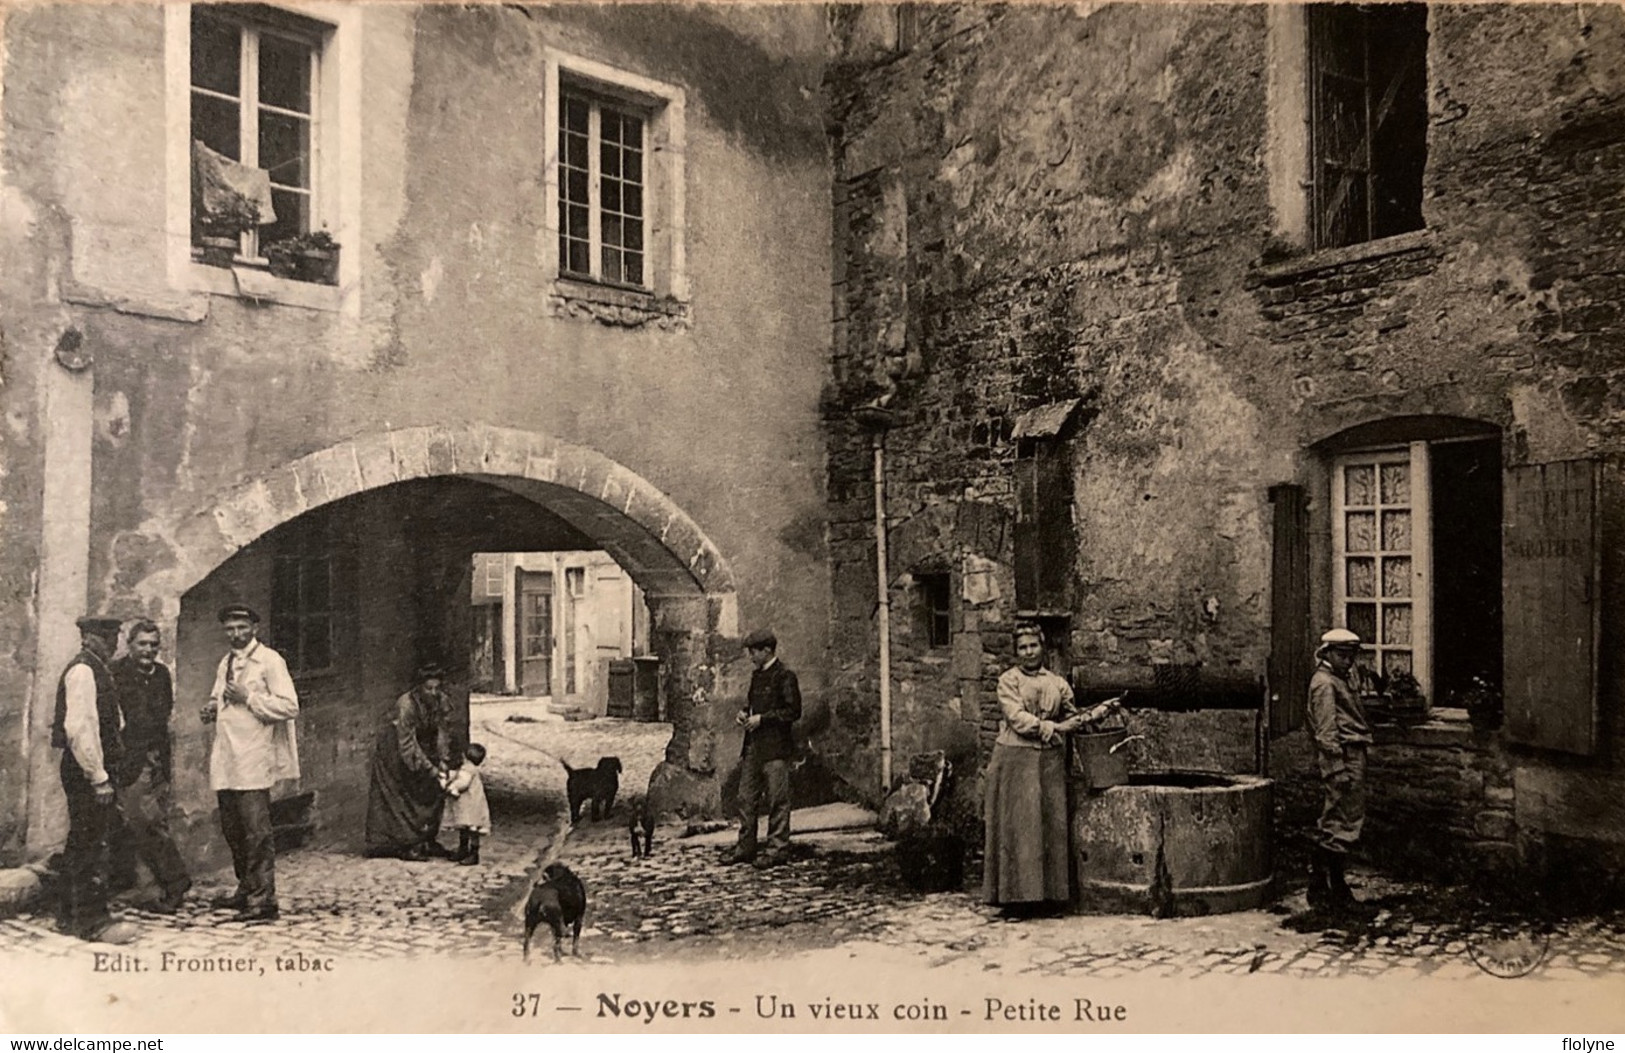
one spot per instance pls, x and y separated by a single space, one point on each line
876 419
882 577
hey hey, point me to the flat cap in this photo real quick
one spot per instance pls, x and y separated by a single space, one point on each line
99 626
238 610
429 671
762 638
1339 638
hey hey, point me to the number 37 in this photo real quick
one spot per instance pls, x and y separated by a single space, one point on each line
526 1004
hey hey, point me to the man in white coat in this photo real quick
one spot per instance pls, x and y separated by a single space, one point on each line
252 707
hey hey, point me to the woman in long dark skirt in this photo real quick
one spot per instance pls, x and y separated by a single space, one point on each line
409 766
1027 869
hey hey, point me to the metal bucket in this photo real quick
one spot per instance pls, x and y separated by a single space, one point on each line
1093 762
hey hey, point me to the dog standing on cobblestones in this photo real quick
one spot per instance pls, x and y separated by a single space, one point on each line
560 900
597 784
640 827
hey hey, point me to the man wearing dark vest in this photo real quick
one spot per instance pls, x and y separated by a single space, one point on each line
147 695
772 707
86 728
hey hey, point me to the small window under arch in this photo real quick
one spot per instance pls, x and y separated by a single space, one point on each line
936 607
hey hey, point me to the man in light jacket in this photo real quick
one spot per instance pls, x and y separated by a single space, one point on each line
252 707
1342 735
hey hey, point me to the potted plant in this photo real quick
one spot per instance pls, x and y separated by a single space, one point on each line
1484 705
1410 706
284 262
222 228
312 257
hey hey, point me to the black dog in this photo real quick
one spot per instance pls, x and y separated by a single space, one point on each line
641 820
599 785
560 899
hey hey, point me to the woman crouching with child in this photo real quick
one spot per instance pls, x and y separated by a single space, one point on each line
1027 866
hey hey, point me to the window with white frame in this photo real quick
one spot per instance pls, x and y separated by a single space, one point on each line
493 567
1380 537
602 180
254 102
1416 567
615 185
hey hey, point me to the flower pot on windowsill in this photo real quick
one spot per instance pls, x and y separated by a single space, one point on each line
218 250
1485 717
282 264
318 265
1403 710
1483 702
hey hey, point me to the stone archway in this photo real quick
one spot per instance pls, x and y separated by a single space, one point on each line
685 579
580 484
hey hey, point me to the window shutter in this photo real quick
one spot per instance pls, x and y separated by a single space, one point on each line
1027 536
1291 661
1055 525
1550 556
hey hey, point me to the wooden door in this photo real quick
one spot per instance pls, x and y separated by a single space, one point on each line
535 592
1550 570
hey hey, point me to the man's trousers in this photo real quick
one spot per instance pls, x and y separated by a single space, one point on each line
245 819
759 779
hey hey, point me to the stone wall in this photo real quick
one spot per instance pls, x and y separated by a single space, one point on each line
444 318
1040 203
1441 801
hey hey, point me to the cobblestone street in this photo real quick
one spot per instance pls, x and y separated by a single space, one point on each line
839 896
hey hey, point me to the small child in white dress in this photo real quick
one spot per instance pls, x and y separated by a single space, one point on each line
466 810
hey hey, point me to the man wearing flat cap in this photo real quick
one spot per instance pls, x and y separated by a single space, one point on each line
1341 735
773 705
87 728
252 708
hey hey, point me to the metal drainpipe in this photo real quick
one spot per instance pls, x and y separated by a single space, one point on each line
884 613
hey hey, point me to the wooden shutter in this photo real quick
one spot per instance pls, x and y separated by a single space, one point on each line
1550 560
1055 525
1044 537
1027 536
1291 660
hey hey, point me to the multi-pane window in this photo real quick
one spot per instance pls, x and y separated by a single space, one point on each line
1368 119
253 98
1422 590
302 610
1381 547
602 183
538 625
490 571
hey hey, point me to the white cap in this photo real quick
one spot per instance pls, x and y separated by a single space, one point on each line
1339 638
